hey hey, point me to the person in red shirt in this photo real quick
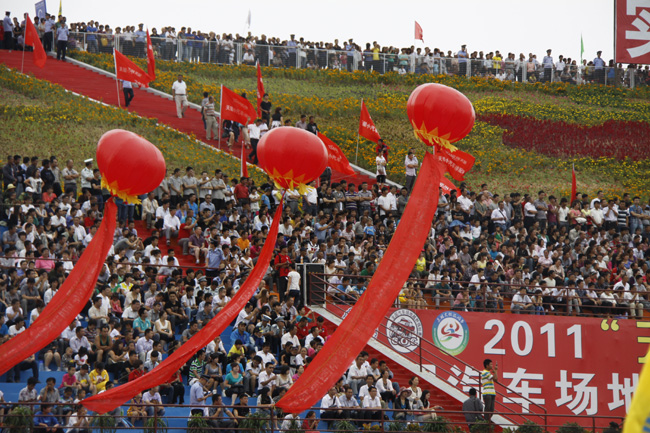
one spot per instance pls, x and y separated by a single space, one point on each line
137 372
48 195
282 266
382 148
241 192
320 322
303 327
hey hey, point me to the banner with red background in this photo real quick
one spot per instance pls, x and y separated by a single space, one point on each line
632 32
569 365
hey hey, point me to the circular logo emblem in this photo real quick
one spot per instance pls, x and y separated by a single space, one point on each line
450 332
404 330
345 314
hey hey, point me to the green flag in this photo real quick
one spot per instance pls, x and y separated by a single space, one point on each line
582 47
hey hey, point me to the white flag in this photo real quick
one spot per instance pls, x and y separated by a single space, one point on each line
248 20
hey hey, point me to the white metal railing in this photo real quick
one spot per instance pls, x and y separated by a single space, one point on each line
400 61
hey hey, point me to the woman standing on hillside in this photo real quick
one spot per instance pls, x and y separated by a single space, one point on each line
277 118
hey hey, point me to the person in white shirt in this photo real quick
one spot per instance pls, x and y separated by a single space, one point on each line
597 214
330 407
254 133
179 92
149 207
364 391
410 165
293 282
357 375
380 162
521 301
372 402
171 226
266 378
155 402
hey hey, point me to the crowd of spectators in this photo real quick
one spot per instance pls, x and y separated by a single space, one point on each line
191 45
537 255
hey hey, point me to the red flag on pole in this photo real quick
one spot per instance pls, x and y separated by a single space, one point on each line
151 61
236 108
260 90
367 126
336 158
244 168
31 38
418 32
574 184
126 70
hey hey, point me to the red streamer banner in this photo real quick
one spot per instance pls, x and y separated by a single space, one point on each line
69 299
109 400
359 325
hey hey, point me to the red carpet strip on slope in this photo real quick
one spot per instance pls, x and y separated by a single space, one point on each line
102 88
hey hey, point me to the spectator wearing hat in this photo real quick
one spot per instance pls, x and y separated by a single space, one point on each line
198 396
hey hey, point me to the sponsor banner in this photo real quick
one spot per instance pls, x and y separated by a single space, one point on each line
569 365
632 32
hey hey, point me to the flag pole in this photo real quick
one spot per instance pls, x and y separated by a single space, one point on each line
356 155
220 119
22 65
117 85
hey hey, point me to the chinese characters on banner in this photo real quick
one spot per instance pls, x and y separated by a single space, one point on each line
457 163
632 31
235 107
570 366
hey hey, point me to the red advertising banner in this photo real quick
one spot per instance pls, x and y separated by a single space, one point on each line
569 365
632 31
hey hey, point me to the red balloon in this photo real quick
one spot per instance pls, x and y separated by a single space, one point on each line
439 114
129 164
292 156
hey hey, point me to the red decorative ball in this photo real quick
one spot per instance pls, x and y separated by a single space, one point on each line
292 156
130 165
439 114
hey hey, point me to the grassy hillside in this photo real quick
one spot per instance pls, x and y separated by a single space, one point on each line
42 119
567 114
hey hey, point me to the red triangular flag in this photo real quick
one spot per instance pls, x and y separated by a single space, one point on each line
236 108
126 70
574 184
260 90
31 38
366 125
456 163
244 168
447 185
336 158
151 61
418 32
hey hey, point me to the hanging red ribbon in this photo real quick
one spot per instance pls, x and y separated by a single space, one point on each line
368 312
69 299
109 400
